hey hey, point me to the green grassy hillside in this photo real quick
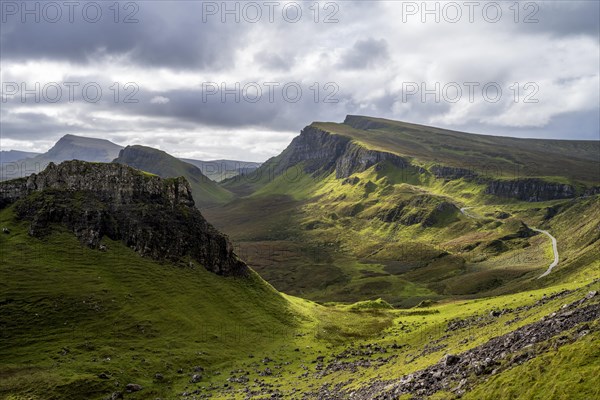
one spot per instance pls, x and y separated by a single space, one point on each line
499 157
103 322
371 208
205 191
79 323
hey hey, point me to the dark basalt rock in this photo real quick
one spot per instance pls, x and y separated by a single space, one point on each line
449 173
457 373
323 152
530 189
357 158
155 217
592 191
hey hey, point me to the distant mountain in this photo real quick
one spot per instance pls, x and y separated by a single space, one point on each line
69 147
219 170
15 155
206 192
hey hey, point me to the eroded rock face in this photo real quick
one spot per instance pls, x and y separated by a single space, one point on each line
155 217
530 189
321 151
356 158
449 173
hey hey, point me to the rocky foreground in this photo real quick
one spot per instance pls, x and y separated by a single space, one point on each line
456 373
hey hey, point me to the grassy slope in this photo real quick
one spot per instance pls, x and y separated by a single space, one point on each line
324 239
489 155
69 313
205 191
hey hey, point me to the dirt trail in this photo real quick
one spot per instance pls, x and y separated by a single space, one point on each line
552 238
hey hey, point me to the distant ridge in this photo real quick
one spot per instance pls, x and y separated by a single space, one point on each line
7 156
219 170
69 147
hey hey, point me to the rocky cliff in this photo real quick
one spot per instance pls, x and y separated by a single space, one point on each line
530 189
323 152
319 151
155 217
450 173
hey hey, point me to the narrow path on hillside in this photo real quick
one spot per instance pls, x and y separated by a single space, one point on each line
464 211
554 250
468 214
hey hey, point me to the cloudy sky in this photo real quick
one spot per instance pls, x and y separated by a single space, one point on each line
239 80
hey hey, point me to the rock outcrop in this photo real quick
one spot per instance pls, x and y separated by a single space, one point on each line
458 373
319 151
449 173
530 189
357 158
155 217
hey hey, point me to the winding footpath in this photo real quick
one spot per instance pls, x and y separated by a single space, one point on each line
552 238
554 249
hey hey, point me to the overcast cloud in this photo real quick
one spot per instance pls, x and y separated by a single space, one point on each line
372 58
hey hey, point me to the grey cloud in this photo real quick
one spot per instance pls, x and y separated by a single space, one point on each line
167 34
274 61
33 126
174 36
563 18
365 53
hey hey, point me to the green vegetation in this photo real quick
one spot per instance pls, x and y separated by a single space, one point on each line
397 232
373 274
495 156
71 314
331 239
